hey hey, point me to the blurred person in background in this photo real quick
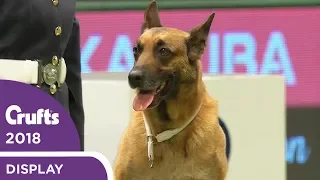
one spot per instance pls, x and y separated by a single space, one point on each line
226 133
47 33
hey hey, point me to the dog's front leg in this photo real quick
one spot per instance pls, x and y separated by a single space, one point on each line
221 168
120 172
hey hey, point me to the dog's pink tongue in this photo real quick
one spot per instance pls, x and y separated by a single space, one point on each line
142 101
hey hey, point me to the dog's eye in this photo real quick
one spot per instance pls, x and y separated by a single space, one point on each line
135 50
165 52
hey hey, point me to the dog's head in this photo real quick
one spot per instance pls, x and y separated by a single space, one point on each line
165 58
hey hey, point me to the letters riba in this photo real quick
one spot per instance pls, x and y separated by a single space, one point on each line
15 116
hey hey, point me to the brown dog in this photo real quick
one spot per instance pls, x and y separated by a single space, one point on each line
171 96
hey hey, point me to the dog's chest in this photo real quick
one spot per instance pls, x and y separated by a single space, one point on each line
171 166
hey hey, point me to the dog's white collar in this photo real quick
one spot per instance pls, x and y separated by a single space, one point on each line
163 136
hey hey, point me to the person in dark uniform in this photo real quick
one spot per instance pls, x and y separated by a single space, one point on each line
46 33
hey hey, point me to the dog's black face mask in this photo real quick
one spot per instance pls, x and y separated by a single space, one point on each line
152 87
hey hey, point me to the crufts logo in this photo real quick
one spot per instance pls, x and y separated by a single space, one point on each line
15 116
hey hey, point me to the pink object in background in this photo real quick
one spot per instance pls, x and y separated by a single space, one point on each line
254 41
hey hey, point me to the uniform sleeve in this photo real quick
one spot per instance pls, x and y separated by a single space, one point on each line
74 81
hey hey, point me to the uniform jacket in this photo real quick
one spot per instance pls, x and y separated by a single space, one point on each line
41 29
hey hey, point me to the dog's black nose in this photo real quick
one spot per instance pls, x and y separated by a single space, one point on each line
135 78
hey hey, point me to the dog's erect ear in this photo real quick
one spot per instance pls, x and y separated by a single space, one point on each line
196 42
151 17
